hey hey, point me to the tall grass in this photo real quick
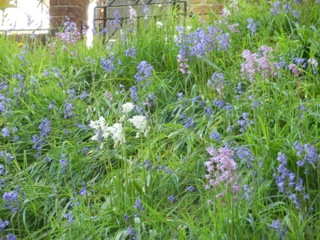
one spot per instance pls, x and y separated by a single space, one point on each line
227 145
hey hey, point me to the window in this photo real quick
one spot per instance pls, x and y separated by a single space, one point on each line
27 16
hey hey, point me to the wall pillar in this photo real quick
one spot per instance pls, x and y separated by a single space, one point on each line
76 10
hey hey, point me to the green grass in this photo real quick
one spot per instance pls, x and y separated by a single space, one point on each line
279 110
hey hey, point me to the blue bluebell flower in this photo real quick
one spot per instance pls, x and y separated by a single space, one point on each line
252 26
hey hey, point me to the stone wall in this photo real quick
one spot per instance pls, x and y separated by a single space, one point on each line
204 7
76 10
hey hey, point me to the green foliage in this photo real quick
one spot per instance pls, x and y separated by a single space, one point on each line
156 185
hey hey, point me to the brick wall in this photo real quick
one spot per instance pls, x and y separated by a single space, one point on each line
76 10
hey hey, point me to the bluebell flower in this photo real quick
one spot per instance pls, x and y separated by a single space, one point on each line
295 199
208 111
85 150
200 42
83 95
287 8
219 103
228 107
247 192
147 164
276 8
83 190
3 224
134 94
252 26
63 162
172 199
107 64
72 93
69 217
180 96
301 61
51 105
188 123
2 170
104 30
230 128
286 181
300 186
301 163
223 41
21 57
6 131
190 189
244 123
9 157
276 224
180 29
245 155
117 21
291 177
130 231
137 204
11 236
45 73
11 200
48 159
45 127
19 76
68 112
3 108
281 64
299 148
57 72
311 154
131 52
144 71
215 136
122 88
216 79
295 14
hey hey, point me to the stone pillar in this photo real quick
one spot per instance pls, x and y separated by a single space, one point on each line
76 10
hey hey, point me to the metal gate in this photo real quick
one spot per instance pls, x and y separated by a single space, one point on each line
109 16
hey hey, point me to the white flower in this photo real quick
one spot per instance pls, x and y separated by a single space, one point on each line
95 138
140 123
313 62
101 129
98 124
159 24
226 12
127 107
116 132
234 4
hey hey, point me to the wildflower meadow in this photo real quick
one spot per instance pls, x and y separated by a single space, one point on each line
176 128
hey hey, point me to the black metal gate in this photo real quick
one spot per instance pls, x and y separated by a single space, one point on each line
109 16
